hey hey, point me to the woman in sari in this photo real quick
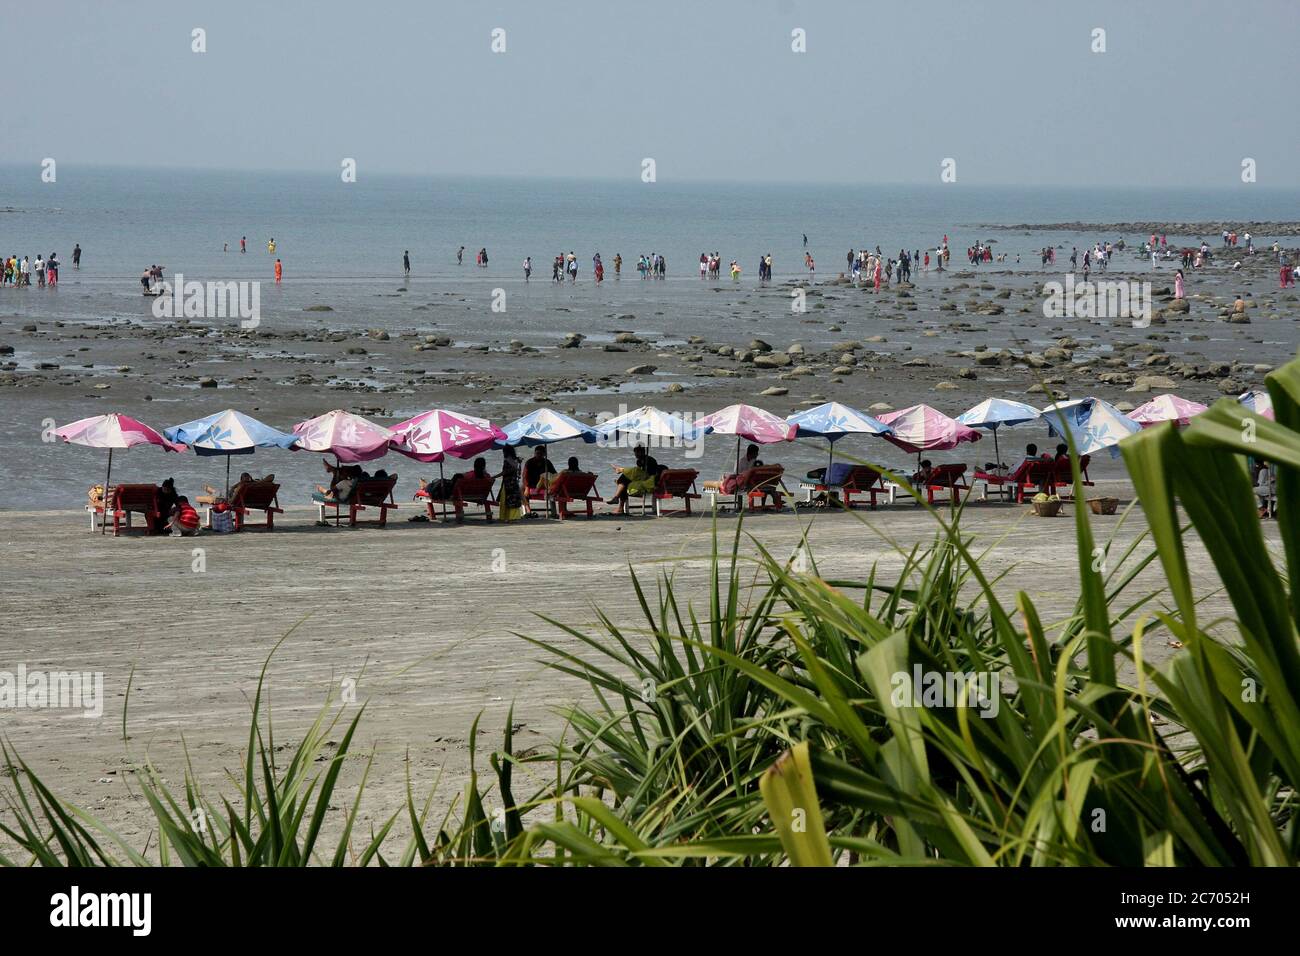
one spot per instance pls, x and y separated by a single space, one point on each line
512 499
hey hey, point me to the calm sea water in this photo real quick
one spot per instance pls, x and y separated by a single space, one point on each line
346 237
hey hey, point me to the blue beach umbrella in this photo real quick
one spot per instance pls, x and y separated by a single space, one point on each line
543 427
993 413
1094 424
650 422
833 421
228 433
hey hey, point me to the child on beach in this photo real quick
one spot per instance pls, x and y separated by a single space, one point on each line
184 521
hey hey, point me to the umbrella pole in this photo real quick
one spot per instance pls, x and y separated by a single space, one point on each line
997 455
442 483
227 474
737 504
103 524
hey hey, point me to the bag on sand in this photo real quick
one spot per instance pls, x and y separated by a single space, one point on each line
223 522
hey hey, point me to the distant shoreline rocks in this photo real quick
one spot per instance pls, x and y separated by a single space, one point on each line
1159 228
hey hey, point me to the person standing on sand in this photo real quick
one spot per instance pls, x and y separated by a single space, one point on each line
76 256
406 263
279 271
1178 284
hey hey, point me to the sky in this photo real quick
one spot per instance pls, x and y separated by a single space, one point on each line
885 91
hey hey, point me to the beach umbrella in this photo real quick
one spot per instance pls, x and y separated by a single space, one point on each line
228 433
432 435
1166 408
112 431
833 421
748 423
435 434
1258 401
1094 424
543 427
994 413
650 422
922 428
346 436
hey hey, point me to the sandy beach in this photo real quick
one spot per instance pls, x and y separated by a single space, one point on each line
416 615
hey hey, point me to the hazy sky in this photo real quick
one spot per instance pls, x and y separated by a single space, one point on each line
1010 89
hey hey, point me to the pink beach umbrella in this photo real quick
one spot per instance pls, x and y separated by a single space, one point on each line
435 434
1166 408
432 435
748 423
922 428
346 436
113 431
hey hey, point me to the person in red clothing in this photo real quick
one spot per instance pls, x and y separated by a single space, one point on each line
279 270
185 520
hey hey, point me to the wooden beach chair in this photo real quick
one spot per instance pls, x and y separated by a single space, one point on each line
253 496
760 483
467 490
138 499
574 487
1063 478
369 493
862 480
672 483
950 478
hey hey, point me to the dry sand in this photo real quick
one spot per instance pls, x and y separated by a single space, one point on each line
418 607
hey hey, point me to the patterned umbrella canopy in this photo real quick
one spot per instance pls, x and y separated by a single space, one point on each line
348 437
543 427
432 435
649 422
922 428
750 423
833 421
1166 408
229 433
993 413
113 431
1094 424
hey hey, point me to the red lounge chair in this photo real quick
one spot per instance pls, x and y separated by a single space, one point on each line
861 480
370 493
570 487
468 490
673 483
252 496
950 478
141 499
1064 475
760 483
1030 477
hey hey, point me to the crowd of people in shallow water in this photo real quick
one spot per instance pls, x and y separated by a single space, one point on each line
17 271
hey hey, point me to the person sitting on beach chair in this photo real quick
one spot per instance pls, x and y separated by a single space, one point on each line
922 478
343 483
538 470
637 480
212 495
443 489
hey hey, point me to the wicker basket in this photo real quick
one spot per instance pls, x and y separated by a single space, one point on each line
1103 506
1047 509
